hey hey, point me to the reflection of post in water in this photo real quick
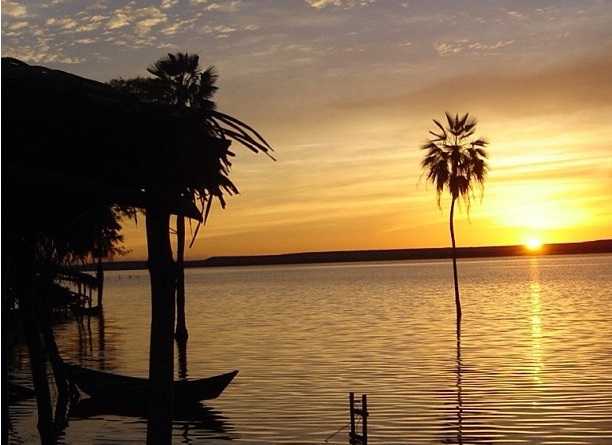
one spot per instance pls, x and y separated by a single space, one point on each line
459 395
182 357
101 339
89 334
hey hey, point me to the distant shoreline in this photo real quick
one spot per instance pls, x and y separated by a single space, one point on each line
599 246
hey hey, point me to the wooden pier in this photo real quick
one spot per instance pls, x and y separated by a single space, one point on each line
83 288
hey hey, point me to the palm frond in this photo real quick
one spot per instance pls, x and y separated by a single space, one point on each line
454 161
480 142
440 126
450 120
227 118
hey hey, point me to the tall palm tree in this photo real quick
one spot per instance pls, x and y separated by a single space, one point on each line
185 85
179 80
455 161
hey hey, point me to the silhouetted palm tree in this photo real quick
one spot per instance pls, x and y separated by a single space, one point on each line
186 85
179 80
455 161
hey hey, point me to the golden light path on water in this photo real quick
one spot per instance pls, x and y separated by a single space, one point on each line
536 319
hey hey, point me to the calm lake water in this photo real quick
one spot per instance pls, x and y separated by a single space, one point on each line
534 362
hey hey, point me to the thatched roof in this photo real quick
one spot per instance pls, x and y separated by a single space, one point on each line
65 134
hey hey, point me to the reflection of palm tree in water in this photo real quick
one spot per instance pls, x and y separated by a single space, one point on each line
477 417
453 419
182 358
459 395
181 344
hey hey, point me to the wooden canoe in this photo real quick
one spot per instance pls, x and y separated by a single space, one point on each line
108 386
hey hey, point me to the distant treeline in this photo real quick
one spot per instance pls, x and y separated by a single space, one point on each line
601 246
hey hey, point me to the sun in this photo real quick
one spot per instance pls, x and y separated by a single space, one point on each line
533 244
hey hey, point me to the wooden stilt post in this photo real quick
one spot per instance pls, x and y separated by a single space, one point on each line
352 414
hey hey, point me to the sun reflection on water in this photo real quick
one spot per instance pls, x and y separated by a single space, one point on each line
536 320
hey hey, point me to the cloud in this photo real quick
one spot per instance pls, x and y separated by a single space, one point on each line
40 54
224 29
65 23
144 19
53 3
17 26
91 23
165 4
230 6
321 4
13 9
581 84
118 20
515 14
179 26
465 45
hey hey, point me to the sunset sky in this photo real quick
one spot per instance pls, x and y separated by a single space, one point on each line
345 91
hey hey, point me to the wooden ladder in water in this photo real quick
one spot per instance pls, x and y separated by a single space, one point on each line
356 438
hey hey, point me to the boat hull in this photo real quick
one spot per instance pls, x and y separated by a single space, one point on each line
108 386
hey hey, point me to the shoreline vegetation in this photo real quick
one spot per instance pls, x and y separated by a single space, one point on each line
346 256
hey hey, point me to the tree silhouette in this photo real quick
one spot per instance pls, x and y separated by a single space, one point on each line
455 161
150 156
184 85
179 80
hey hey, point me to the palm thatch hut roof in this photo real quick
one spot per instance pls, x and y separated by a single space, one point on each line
66 136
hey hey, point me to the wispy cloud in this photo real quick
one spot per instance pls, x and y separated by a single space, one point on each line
466 45
13 9
575 85
165 4
321 4
178 26
143 19
228 6
41 54
65 23
17 26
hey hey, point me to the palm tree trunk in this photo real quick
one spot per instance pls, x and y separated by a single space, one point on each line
181 324
161 353
459 388
100 280
454 253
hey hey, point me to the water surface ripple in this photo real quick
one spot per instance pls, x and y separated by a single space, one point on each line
531 366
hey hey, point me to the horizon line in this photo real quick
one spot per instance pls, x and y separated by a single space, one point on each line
341 251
